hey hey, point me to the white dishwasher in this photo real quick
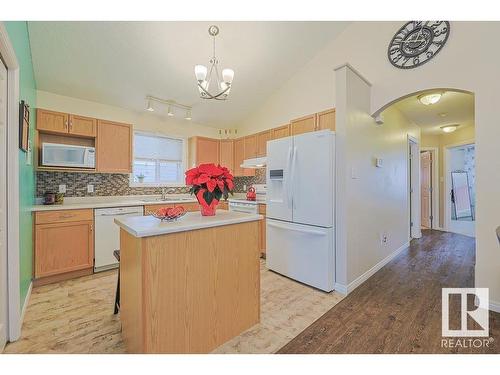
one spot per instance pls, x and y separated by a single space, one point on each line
107 235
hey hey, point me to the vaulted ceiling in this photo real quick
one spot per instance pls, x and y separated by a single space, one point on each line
119 63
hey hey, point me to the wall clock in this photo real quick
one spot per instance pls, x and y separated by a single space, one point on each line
417 42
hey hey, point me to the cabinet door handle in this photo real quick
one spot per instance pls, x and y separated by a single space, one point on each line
65 216
91 227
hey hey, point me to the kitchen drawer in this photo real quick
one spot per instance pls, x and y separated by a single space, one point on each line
262 209
63 216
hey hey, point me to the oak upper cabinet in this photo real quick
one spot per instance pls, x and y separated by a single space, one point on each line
226 154
239 156
114 147
280 132
82 126
64 123
250 146
262 139
51 121
326 120
203 151
303 125
64 242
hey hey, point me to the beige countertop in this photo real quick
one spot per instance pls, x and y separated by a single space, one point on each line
146 226
113 201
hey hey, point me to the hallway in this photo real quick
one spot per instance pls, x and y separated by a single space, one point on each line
398 310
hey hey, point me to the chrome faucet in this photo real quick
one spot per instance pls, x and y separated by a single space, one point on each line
165 192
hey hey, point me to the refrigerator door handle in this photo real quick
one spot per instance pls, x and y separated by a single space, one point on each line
308 231
294 162
288 178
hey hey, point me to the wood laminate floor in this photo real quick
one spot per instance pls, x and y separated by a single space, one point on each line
398 310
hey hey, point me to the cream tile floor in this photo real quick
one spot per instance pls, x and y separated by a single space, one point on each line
76 316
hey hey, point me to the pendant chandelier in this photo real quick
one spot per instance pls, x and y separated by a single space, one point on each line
210 83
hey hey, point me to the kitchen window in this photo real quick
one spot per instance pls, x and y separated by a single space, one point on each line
159 160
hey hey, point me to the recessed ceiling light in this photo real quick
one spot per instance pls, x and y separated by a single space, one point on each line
443 114
449 128
429 99
150 107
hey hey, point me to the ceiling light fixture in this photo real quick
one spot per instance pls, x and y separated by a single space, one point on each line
170 105
150 107
208 78
429 99
188 115
449 128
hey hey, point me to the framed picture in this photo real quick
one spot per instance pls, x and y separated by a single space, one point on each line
24 125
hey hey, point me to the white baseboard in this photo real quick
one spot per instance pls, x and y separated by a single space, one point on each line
25 305
341 288
361 279
495 306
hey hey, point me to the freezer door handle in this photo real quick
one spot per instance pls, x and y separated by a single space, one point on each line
308 231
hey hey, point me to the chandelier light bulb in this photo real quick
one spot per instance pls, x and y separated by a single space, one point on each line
228 75
200 71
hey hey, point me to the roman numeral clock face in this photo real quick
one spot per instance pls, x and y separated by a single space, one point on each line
417 42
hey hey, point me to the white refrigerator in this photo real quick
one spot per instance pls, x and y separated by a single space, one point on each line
300 208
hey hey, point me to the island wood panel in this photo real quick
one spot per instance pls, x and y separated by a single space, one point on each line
189 292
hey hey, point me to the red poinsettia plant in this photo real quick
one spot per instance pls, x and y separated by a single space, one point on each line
210 182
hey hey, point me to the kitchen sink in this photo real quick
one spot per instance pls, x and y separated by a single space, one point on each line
165 200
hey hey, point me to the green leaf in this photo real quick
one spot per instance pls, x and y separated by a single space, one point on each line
208 196
218 195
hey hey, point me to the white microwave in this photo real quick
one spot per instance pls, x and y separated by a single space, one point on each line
61 155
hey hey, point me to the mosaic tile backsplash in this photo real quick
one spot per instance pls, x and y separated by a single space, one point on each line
116 184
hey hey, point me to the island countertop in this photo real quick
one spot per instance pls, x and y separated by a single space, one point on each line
146 226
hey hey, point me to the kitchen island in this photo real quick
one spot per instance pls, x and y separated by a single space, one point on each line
191 285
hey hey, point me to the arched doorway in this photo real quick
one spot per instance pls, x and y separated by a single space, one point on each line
446 120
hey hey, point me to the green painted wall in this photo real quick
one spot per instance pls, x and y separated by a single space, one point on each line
19 37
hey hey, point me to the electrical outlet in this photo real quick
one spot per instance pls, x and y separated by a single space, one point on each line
62 188
245 187
384 238
90 188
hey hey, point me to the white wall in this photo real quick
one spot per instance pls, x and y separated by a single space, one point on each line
374 199
467 62
145 121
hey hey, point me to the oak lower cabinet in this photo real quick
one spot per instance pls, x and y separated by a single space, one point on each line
114 147
189 206
64 245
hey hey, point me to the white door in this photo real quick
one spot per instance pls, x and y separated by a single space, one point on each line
312 178
279 193
3 205
301 252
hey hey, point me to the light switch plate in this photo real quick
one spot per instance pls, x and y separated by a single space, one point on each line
90 188
62 188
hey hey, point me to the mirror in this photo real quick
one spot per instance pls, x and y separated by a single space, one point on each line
460 195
